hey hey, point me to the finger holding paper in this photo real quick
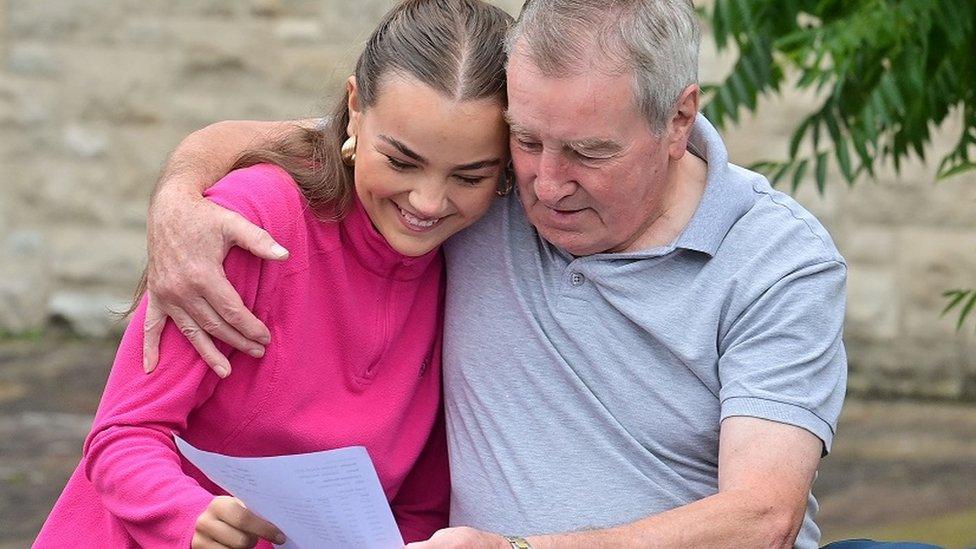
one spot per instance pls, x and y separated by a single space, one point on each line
228 523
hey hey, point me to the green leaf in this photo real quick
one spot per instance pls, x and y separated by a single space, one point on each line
966 309
728 103
890 91
821 172
780 173
801 170
954 297
743 94
844 160
720 25
964 166
797 136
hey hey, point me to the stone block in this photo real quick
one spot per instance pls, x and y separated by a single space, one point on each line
24 281
932 261
134 104
85 141
872 303
907 367
40 19
23 295
27 104
294 31
57 21
868 244
207 59
90 257
285 8
146 32
199 108
822 205
67 192
351 22
319 72
33 59
914 201
91 314
100 90
266 8
207 45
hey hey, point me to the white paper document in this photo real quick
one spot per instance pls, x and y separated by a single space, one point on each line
331 499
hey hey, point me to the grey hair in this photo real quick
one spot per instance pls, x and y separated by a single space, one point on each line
655 39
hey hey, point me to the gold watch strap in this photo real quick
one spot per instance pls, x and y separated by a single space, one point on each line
518 543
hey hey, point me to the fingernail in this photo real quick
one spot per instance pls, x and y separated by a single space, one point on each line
280 539
223 371
256 352
145 364
279 251
264 340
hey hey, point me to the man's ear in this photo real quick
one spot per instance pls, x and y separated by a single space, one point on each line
681 123
355 112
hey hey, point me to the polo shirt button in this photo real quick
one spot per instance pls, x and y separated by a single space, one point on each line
577 279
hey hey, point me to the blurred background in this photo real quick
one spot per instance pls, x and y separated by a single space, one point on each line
94 93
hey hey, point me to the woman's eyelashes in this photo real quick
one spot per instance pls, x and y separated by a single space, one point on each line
467 180
398 164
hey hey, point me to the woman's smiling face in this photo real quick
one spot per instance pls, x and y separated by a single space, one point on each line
427 166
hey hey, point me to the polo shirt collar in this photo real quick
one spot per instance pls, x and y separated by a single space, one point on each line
725 200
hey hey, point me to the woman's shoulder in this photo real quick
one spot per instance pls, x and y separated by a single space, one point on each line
263 193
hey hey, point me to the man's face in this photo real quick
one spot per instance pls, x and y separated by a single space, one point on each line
591 174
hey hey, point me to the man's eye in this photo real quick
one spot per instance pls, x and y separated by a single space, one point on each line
587 158
527 145
397 164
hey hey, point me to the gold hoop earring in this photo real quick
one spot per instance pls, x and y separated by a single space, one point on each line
509 178
348 151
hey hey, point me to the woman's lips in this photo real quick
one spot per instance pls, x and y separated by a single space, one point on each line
417 224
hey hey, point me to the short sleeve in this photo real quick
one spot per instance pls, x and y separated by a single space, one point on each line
783 358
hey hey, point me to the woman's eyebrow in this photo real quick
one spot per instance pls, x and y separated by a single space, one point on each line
405 150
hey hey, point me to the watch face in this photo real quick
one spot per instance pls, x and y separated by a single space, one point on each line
518 543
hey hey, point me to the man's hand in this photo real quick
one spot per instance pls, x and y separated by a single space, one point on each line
462 537
227 523
189 237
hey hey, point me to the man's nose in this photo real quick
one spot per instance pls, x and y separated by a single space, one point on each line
552 180
428 199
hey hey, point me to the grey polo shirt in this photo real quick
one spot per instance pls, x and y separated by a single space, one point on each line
588 392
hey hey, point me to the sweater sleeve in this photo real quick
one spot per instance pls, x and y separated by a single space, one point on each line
130 457
421 505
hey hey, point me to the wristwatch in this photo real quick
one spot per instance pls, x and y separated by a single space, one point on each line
518 543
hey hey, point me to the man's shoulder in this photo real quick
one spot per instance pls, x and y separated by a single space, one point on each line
777 228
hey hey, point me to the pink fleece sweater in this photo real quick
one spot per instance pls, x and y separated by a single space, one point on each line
354 359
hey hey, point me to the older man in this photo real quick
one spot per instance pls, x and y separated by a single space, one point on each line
643 348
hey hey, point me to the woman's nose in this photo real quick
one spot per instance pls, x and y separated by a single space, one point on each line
428 199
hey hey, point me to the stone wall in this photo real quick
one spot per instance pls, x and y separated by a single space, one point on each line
94 93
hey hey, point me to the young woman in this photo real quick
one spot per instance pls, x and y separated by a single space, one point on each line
414 153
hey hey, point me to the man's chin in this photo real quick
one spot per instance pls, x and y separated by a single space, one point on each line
573 242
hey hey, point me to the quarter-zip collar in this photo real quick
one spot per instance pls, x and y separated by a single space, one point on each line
373 252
